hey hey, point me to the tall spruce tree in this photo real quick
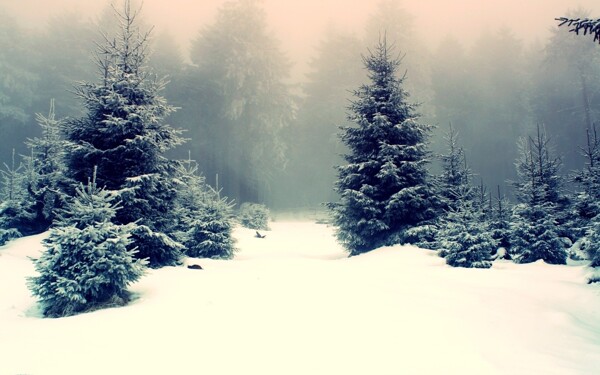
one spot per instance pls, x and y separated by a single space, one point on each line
385 188
124 136
534 222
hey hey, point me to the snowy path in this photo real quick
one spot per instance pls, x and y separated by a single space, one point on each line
292 303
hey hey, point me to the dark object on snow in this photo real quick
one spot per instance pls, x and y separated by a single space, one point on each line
258 235
194 267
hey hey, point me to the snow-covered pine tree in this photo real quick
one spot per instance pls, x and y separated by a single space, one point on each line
533 235
587 201
16 210
210 230
592 244
123 134
454 174
206 218
464 237
45 170
254 216
500 220
533 226
586 223
385 188
88 263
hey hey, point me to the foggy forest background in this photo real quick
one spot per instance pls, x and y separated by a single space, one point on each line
264 133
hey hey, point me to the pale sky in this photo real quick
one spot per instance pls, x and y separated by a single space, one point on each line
298 23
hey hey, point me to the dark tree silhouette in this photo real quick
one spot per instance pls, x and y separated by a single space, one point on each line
585 25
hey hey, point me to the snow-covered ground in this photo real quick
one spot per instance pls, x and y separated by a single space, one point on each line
293 303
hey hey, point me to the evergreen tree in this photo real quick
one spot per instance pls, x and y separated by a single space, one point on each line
585 25
207 219
465 239
592 243
384 188
455 175
534 235
254 216
586 223
16 211
35 189
87 263
587 201
45 170
210 230
391 18
534 224
500 221
123 134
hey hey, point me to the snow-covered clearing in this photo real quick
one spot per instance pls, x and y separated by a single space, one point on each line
293 303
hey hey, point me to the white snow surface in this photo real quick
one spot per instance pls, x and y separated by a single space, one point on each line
294 303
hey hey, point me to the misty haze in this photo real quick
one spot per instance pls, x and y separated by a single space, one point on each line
492 69
305 187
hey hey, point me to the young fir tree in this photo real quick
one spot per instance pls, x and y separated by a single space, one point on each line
36 188
45 170
88 263
534 234
464 237
591 244
207 219
455 176
384 188
254 216
123 134
16 211
500 221
587 201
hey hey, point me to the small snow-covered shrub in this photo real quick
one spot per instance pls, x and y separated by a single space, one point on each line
423 236
87 263
254 216
534 237
8 234
595 277
85 269
158 249
206 219
591 243
209 234
466 244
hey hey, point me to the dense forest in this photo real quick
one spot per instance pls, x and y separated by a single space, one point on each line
263 138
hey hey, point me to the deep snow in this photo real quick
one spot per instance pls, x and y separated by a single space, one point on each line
293 303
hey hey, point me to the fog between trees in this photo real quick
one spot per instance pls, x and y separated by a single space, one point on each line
262 109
